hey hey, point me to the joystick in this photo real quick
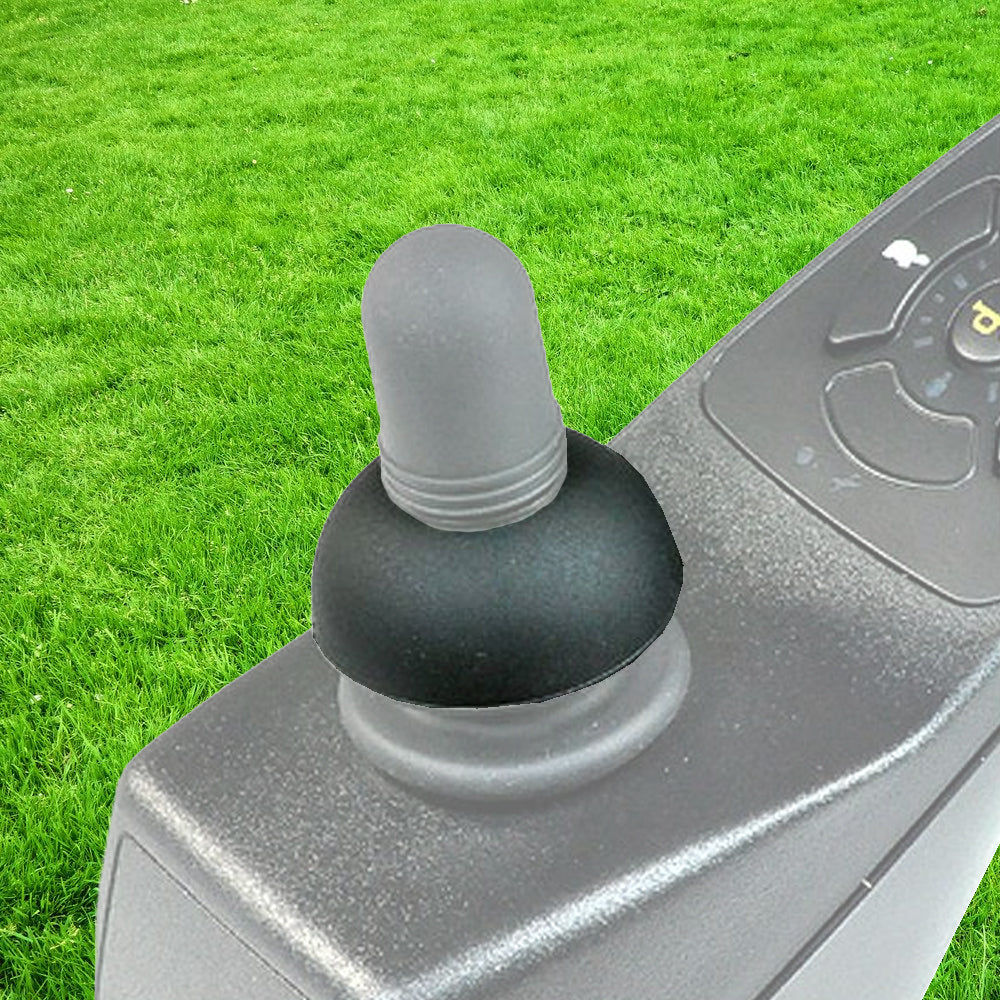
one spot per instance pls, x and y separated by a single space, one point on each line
490 559
497 767
489 556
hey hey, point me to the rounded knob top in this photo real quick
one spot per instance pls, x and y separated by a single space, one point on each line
471 435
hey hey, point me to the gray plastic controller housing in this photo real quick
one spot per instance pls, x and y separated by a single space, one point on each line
810 826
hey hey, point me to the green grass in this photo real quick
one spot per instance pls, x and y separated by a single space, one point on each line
191 196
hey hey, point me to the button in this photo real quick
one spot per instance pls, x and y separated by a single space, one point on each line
889 431
898 264
975 327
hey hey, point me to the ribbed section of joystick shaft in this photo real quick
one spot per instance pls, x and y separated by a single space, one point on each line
471 435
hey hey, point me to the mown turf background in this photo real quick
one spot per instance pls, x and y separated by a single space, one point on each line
191 196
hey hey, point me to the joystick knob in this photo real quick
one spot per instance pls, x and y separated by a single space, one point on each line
490 556
471 435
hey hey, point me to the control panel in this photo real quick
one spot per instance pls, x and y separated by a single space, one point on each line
870 385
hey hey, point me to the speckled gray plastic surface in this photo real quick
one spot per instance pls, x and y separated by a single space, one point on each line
837 709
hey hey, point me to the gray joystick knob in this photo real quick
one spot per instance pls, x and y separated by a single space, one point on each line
471 435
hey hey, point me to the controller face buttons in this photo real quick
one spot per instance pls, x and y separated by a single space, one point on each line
872 389
943 337
930 307
975 328
952 226
878 422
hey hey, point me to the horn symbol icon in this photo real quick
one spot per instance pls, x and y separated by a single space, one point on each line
986 320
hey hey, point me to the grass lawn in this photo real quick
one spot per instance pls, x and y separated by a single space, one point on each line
191 197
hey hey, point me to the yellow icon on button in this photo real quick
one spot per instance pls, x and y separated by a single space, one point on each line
986 320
